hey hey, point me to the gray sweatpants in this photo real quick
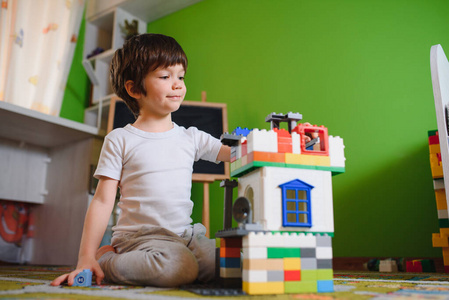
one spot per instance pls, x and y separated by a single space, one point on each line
158 257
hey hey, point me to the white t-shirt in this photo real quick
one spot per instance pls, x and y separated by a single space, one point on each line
155 174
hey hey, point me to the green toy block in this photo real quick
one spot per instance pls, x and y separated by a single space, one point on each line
325 274
444 223
292 287
283 252
432 132
309 275
428 266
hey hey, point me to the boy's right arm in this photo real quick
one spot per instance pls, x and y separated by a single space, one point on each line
95 223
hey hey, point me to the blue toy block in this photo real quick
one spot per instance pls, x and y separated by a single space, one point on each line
325 286
83 278
241 131
230 262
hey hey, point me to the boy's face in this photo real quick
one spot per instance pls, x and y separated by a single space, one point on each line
165 90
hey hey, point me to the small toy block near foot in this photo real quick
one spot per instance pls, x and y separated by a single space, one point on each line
83 278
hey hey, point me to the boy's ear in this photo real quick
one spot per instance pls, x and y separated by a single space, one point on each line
130 89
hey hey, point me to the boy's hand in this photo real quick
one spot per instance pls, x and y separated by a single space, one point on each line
92 265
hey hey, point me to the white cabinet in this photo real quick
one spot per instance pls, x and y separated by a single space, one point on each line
46 160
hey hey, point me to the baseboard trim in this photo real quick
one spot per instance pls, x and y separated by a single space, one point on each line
356 263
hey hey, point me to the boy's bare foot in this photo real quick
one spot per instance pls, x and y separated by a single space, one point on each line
103 250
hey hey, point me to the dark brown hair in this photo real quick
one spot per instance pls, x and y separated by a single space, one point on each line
140 55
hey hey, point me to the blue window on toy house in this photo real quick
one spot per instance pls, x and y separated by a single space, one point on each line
296 204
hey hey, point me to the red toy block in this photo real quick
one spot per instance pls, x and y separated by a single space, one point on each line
244 148
414 266
433 140
290 275
284 141
321 131
229 252
231 243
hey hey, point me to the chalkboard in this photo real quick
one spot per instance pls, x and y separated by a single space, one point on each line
207 116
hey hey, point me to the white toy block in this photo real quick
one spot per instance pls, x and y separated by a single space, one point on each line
296 143
276 240
324 252
255 275
443 214
336 151
388 265
262 140
238 151
255 253
300 240
438 184
256 239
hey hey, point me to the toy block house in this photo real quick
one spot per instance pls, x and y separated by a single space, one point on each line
284 209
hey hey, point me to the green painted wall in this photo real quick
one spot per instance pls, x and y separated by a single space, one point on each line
359 67
77 90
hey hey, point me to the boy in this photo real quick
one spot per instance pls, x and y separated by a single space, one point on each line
151 161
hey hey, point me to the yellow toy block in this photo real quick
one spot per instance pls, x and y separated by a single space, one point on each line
444 232
439 241
261 288
436 166
446 256
435 148
292 263
310 160
440 196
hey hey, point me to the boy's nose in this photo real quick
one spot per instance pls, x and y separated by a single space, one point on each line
177 85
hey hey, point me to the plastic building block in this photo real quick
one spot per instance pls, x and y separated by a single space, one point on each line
421 265
325 286
292 263
262 140
320 131
324 274
301 287
291 118
267 156
284 141
261 288
241 131
439 241
229 252
84 278
388 265
309 275
336 151
230 273
312 160
292 275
